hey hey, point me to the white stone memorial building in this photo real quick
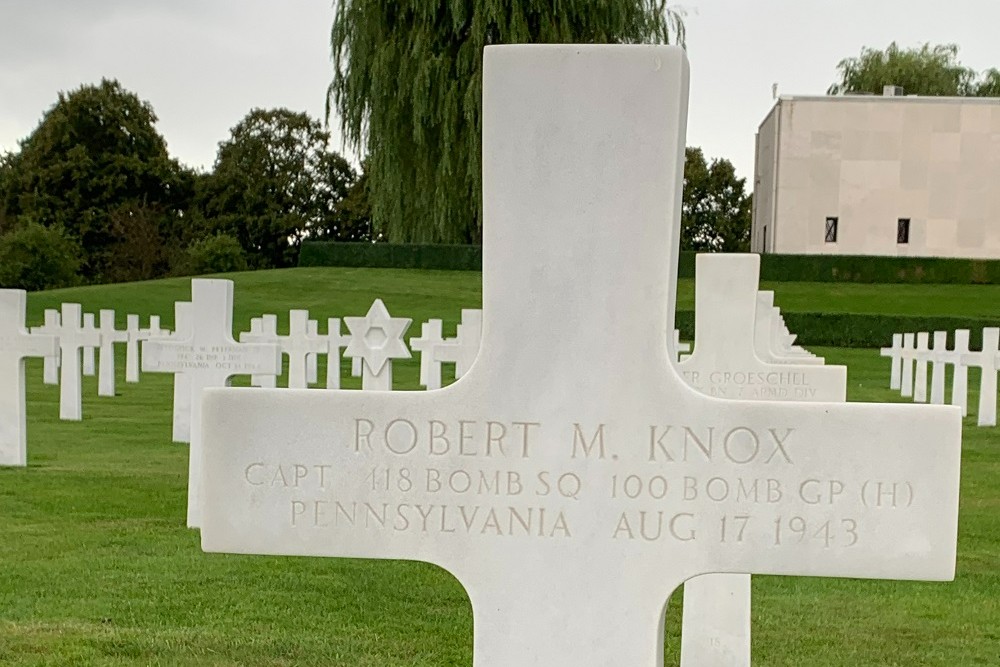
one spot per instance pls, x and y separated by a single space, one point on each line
895 175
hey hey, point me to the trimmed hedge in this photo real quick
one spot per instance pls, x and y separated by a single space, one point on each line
392 256
773 268
859 330
860 269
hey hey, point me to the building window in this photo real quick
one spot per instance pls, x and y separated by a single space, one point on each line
763 247
903 230
831 230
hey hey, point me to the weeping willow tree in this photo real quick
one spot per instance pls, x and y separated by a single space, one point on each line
407 86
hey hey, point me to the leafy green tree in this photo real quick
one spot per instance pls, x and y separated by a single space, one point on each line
928 70
33 257
218 253
274 183
716 210
95 152
407 85
352 216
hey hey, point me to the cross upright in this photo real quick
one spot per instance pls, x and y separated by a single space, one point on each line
908 356
988 361
939 348
209 357
335 342
106 355
180 430
464 347
16 344
312 358
50 365
426 343
73 337
263 329
921 358
297 346
960 373
895 353
725 362
573 392
89 356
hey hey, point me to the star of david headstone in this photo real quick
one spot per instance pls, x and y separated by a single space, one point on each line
16 344
550 479
376 339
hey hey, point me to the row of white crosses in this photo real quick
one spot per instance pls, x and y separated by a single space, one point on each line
574 380
915 356
80 341
66 342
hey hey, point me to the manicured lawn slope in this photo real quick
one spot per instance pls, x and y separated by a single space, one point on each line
97 568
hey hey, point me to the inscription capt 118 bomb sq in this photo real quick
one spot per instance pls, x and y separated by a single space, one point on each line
419 487
572 472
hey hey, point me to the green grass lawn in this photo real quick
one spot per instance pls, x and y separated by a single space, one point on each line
423 294
97 568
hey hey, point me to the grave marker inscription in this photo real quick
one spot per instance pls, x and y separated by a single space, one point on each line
596 476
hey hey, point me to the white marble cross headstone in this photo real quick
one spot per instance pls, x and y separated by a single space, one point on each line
464 347
987 361
263 329
908 356
209 356
725 362
426 343
960 374
938 368
298 345
921 356
134 331
89 352
73 338
377 339
312 358
729 341
335 342
895 353
772 344
106 357
50 365
559 480
15 345
181 424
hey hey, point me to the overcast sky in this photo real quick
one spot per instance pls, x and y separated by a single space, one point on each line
203 64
